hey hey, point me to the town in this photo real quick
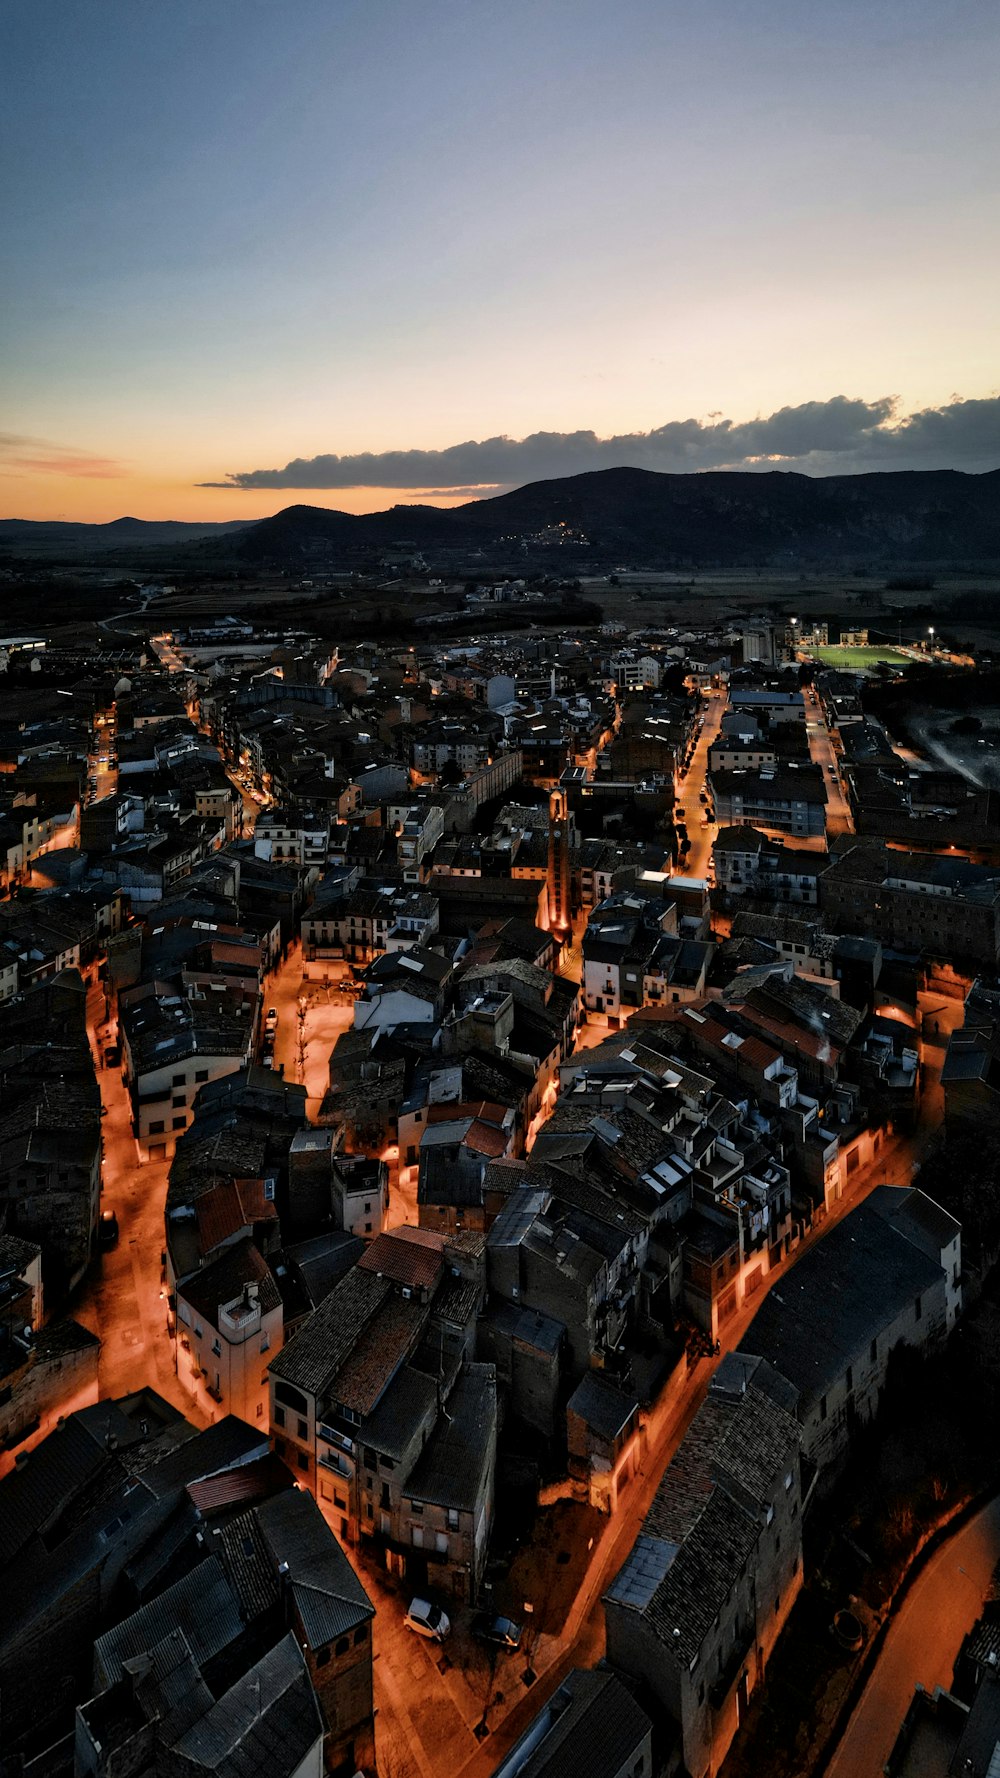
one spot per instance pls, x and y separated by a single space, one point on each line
498 1208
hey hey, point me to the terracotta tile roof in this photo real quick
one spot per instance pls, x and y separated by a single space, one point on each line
487 1138
377 1353
229 1207
397 1255
240 1487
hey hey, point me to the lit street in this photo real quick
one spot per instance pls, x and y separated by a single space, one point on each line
922 1643
123 1297
690 809
824 754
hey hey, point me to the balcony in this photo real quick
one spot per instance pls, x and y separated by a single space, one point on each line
331 1436
333 1461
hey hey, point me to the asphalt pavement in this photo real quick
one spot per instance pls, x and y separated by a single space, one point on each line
922 1643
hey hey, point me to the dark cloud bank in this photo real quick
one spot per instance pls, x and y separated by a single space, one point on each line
836 437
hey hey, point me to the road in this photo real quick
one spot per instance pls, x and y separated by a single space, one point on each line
921 1646
253 800
690 809
123 1297
824 753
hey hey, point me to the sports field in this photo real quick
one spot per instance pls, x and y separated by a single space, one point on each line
860 658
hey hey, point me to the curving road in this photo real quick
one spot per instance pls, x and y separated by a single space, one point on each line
920 1648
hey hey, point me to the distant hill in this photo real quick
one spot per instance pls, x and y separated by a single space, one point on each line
42 535
643 519
606 518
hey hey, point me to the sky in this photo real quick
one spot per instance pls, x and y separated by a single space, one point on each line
362 251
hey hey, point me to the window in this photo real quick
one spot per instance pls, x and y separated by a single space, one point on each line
177 1080
179 1122
453 1518
279 1447
416 1506
292 1398
201 1074
157 1129
770 1515
265 1342
339 1500
302 1429
441 1543
370 1458
343 1644
216 1349
322 1656
417 1536
279 1416
303 1460
361 1635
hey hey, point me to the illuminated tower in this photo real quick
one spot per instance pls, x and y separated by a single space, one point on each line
558 875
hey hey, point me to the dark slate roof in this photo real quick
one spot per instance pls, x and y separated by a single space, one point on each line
56 1471
328 1595
378 1351
226 1445
704 1520
223 1281
836 1299
409 1404
604 1407
592 1728
315 1354
240 1547
266 1723
168 1685
527 1326
454 1462
203 1605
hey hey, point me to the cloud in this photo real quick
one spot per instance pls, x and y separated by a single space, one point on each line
20 455
840 435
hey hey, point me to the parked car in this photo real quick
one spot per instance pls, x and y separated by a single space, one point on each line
427 1620
107 1229
499 1632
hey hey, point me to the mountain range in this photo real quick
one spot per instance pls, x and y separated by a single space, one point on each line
632 517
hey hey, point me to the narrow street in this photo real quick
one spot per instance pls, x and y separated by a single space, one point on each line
922 1644
123 1297
690 809
824 754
